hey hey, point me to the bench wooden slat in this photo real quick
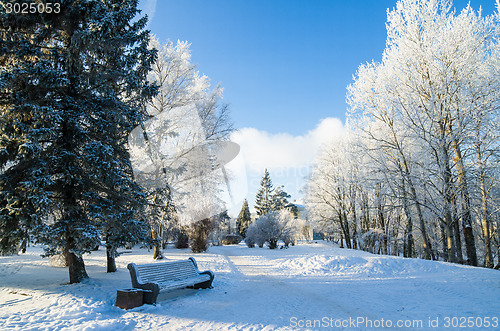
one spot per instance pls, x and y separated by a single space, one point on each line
184 282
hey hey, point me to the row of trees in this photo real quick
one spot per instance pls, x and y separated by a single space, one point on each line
73 86
417 173
72 89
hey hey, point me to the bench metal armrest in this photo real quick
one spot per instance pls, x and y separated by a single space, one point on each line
151 290
208 283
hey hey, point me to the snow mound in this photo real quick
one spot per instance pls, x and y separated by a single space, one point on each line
369 266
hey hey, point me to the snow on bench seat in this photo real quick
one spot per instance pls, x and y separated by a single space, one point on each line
156 277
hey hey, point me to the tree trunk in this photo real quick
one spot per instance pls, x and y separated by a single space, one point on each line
381 220
408 249
71 210
448 201
405 171
77 271
354 223
450 240
110 259
456 232
408 237
470 245
443 240
365 213
24 244
76 265
347 234
485 221
484 213
157 253
458 241
428 253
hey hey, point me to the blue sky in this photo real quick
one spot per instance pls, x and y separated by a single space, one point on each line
284 66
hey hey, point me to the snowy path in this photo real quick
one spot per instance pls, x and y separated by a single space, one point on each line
290 293
254 289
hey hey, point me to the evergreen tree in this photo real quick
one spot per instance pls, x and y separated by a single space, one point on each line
279 199
72 83
264 201
269 198
244 219
293 209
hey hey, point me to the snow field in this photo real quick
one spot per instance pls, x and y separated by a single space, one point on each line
254 289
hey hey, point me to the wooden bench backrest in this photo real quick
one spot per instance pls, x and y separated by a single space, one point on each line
166 271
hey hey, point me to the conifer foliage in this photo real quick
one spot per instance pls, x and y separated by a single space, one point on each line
263 199
244 219
269 198
71 86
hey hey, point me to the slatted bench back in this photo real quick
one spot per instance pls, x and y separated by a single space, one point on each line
166 271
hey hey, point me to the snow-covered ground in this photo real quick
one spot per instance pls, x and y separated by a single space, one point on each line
309 285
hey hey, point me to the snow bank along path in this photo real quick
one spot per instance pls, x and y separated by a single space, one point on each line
254 289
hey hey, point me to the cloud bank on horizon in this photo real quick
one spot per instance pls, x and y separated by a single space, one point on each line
263 150
288 158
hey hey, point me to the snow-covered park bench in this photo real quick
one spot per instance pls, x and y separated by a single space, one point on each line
165 276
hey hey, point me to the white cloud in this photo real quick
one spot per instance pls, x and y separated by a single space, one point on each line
148 7
280 151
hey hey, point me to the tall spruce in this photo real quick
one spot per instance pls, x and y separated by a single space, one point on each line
244 219
263 200
71 88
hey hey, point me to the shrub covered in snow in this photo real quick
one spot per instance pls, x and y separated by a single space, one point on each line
271 228
250 242
182 239
199 233
255 236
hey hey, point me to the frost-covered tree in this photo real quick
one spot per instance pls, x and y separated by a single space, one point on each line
419 177
180 83
71 88
486 179
390 151
174 150
271 228
327 195
244 219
